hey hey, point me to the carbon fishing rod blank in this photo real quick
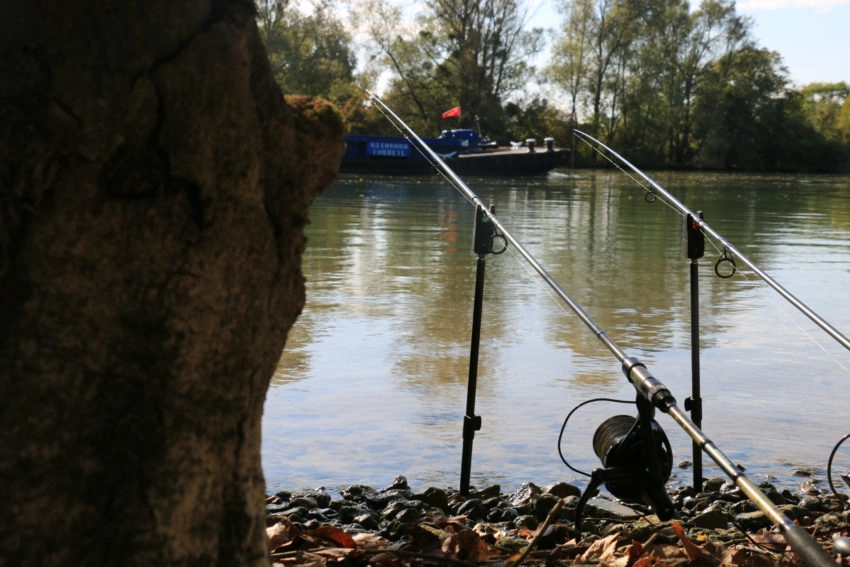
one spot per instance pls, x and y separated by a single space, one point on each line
650 391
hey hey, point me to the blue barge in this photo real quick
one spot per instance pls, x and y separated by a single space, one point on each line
463 150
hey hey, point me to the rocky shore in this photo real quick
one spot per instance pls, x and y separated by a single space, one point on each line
395 526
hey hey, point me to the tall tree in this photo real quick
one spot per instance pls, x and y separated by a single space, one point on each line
486 45
823 102
310 52
843 125
571 51
741 97
676 45
633 67
590 58
154 186
460 52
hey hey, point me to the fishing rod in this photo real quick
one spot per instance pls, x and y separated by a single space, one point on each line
458 184
704 226
647 386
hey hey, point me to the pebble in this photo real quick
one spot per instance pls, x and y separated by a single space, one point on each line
720 508
712 518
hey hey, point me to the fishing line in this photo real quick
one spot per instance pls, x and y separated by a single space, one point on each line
649 195
652 394
527 265
438 172
418 145
707 229
727 253
786 315
724 254
567 419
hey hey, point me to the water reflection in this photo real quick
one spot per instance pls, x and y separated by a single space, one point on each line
372 382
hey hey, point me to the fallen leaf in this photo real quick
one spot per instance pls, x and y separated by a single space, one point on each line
666 551
450 545
335 554
279 534
601 549
472 547
692 550
370 541
635 552
646 561
333 534
749 556
770 540
299 558
636 549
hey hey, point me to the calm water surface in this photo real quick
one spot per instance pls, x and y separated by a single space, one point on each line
373 380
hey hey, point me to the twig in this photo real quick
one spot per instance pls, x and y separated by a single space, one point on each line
553 513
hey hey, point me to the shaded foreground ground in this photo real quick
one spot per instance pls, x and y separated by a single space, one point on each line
395 527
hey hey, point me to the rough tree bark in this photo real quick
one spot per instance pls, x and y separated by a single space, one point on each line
154 185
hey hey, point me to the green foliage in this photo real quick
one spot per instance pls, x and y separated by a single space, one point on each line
822 104
309 53
738 94
676 87
459 53
752 121
536 119
681 87
672 54
843 123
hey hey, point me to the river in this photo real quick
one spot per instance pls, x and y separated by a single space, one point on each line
373 379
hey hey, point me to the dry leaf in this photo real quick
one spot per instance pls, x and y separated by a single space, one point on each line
743 555
335 554
770 540
370 541
692 550
667 551
451 523
299 558
646 561
336 535
601 549
636 553
472 547
450 545
279 534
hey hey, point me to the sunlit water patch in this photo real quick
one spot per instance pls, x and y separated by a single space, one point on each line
373 381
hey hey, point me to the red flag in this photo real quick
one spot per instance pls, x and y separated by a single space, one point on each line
453 112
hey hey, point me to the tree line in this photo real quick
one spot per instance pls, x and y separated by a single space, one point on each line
668 84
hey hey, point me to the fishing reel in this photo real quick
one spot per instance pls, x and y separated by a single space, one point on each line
637 461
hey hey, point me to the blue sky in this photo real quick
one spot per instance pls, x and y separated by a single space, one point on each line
812 36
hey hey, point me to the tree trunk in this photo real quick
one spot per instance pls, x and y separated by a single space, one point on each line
154 186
